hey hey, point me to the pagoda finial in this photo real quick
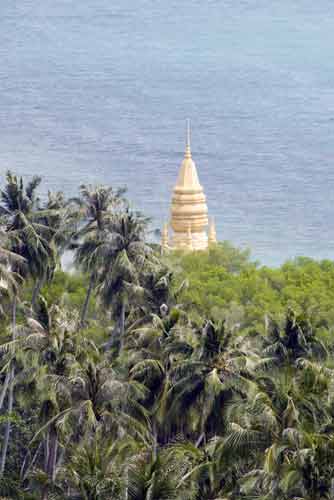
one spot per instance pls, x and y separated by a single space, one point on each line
212 233
164 236
188 150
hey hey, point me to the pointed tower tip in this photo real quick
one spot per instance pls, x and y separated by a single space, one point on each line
188 148
164 235
212 232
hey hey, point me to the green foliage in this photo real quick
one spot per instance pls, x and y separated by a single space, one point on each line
224 284
196 376
68 289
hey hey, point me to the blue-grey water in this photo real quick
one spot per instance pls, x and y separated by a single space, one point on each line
97 91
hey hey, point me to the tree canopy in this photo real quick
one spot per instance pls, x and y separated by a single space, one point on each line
140 376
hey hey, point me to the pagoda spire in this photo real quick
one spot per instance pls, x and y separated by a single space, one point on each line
212 232
188 178
164 236
189 212
188 147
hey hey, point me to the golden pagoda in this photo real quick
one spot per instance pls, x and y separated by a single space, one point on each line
189 212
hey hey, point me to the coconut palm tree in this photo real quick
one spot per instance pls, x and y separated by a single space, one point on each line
296 339
124 254
9 285
79 395
28 240
282 432
93 471
47 348
61 217
165 474
204 380
9 279
96 206
156 294
28 236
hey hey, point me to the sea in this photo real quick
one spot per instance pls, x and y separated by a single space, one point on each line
99 91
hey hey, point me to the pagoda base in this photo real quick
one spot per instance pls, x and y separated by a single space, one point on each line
186 241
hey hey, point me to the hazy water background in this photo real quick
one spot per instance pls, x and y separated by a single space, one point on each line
97 91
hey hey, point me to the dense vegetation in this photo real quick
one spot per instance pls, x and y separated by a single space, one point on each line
140 376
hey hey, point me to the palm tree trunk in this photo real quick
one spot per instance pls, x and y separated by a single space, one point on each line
36 291
51 460
200 439
45 492
127 483
8 424
10 397
122 324
52 451
87 298
35 294
155 440
25 470
46 450
4 389
14 308
61 455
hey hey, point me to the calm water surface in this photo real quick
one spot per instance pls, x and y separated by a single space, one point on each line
97 91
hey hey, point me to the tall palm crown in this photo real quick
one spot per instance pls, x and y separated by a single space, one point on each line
95 208
123 253
28 236
59 214
17 199
123 256
96 204
9 280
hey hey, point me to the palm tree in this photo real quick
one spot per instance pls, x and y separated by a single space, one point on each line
9 279
203 380
96 206
60 217
296 339
168 473
50 347
93 471
79 394
27 240
282 431
59 214
124 254
9 284
29 237
156 295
